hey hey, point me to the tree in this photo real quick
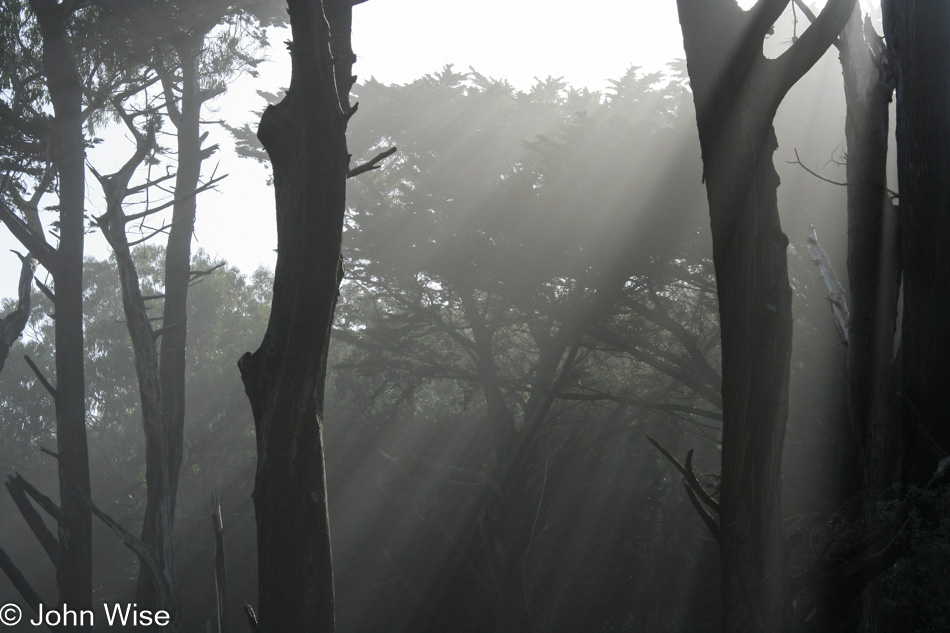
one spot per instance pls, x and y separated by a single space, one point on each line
227 312
72 552
737 91
919 55
873 281
305 137
503 332
115 81
176 46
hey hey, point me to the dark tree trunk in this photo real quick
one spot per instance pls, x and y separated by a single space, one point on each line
165 433
157 531
919 50
74 564
737 91
305 137
873 278
873 257
178 256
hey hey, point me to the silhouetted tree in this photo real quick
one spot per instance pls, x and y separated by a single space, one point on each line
72 552
176 46
919 52
920 56
305 137
737 91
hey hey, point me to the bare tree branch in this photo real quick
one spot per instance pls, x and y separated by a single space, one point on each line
33 520
39 376
136 545
839 305
19 581
688 473
41 500
371 164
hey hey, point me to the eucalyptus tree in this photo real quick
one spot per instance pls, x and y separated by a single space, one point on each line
51 57
191 51
227 311
127 48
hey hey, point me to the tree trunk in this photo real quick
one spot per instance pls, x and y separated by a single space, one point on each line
74 561
304 135
737 91
157 529
178 256
873 258
919 51
873 276
165 433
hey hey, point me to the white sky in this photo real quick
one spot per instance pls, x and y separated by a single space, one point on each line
586 43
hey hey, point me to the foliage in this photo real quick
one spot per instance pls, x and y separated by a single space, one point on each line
227 313
506 245
917 585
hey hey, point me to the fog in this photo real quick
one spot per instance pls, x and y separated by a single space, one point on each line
525 348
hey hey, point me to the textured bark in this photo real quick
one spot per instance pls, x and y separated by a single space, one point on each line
74 562
304 135
873 257
874 280
737 91
919 50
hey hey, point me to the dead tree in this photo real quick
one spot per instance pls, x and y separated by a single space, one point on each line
305 137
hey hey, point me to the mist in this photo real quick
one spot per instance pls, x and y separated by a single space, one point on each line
495 386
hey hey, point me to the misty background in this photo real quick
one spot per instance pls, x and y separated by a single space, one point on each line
542 152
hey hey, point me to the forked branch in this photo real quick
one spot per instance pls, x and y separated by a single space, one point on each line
689 474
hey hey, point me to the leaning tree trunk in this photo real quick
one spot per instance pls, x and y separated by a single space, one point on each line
919 51
737 91
74 564
304 136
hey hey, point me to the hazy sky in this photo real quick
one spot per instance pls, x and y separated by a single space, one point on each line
397 41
